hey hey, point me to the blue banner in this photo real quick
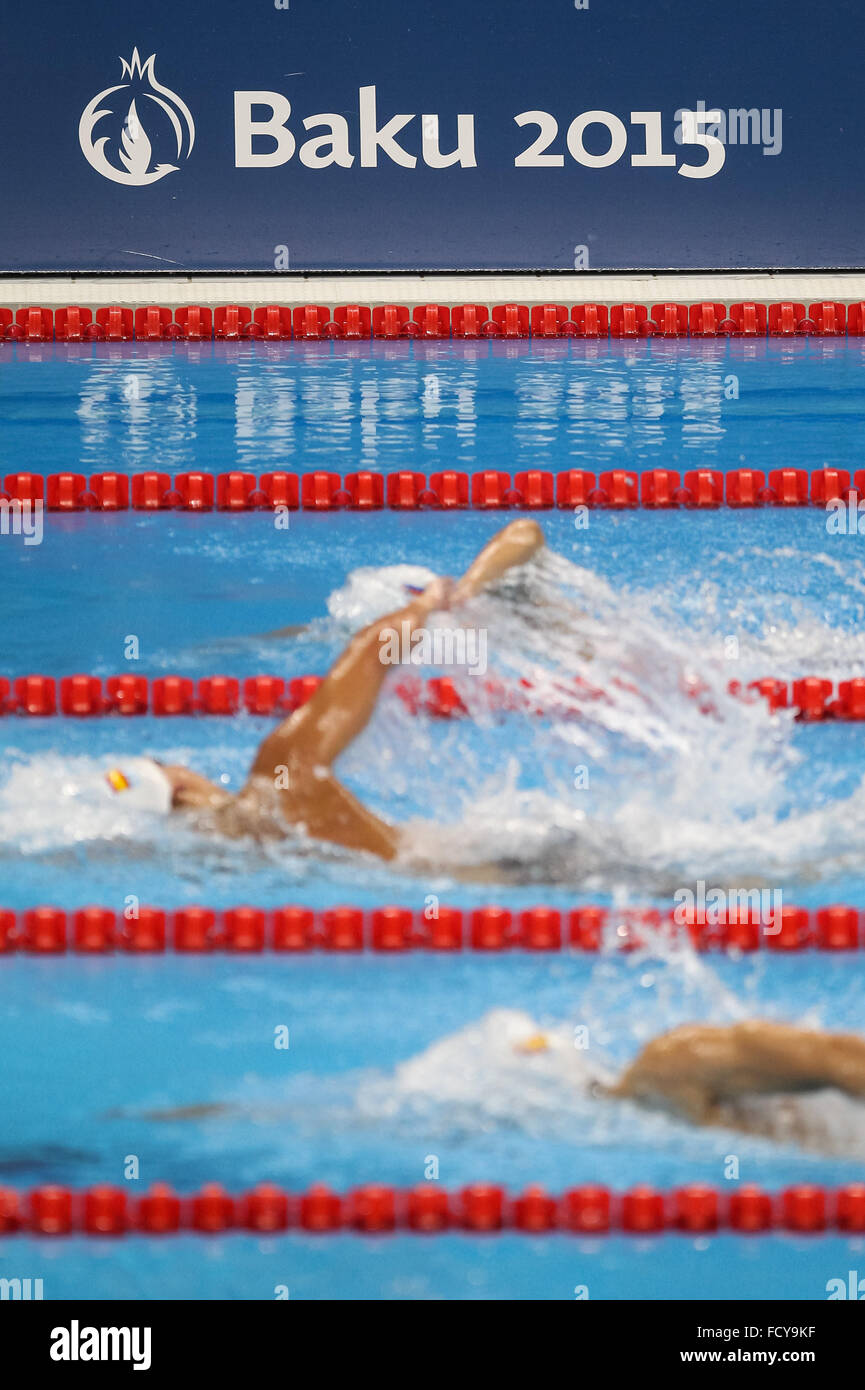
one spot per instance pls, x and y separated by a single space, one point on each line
310 135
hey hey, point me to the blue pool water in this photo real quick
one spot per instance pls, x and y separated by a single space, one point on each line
94 1046
722 403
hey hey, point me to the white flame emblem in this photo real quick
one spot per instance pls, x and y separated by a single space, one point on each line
134 150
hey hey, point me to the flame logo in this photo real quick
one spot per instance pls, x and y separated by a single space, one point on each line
133 149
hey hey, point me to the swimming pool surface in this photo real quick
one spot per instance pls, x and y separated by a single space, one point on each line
674 795
722 403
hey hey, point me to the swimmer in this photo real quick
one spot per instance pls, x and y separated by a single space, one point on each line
291 782
757 1077
753 1077
749 1077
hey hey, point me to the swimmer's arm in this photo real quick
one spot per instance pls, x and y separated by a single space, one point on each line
513 545
804 1057
343 704
688 1098
752 1058
765 1056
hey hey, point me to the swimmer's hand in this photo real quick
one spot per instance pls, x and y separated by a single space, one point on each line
437 595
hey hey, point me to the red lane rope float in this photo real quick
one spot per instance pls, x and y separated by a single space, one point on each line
813 698
309 322
656 489
377 1209
741 927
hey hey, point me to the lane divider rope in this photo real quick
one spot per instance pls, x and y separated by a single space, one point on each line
589 1210
739 926
813 698
33 323
655 489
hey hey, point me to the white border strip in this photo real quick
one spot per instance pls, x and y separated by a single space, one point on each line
173 290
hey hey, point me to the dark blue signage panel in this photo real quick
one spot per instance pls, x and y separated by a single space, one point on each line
298 135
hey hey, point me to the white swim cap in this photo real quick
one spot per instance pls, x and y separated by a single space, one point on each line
371 591
142 784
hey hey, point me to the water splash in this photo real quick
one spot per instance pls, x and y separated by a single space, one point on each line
685 781
489 1076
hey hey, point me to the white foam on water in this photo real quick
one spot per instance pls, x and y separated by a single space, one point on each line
504 1068
371 591
493 1074
686 780
825 1122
